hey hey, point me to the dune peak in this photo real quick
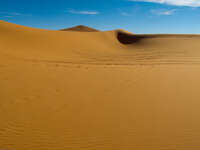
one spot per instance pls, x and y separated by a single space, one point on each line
80 28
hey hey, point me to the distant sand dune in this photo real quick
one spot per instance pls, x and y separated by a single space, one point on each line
110 90
80 28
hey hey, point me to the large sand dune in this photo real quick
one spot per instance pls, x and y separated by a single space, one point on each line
98 90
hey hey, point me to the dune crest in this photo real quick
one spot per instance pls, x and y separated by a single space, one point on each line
101 48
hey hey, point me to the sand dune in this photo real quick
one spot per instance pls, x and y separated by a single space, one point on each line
98 90
80 28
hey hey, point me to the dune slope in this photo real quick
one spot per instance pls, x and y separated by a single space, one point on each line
98 90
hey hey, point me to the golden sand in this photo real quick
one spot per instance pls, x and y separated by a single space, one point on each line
98 90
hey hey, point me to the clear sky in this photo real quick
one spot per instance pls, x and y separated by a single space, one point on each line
137 16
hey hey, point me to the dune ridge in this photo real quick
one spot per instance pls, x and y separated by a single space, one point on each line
99 47
108 90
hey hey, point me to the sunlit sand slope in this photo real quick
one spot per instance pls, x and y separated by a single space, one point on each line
98 90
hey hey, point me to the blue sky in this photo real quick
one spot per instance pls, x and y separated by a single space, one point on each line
137 16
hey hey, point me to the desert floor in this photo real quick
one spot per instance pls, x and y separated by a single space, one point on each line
71 90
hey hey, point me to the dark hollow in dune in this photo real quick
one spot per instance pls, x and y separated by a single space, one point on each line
127 38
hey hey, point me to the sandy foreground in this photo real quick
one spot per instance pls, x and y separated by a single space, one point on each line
66 90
